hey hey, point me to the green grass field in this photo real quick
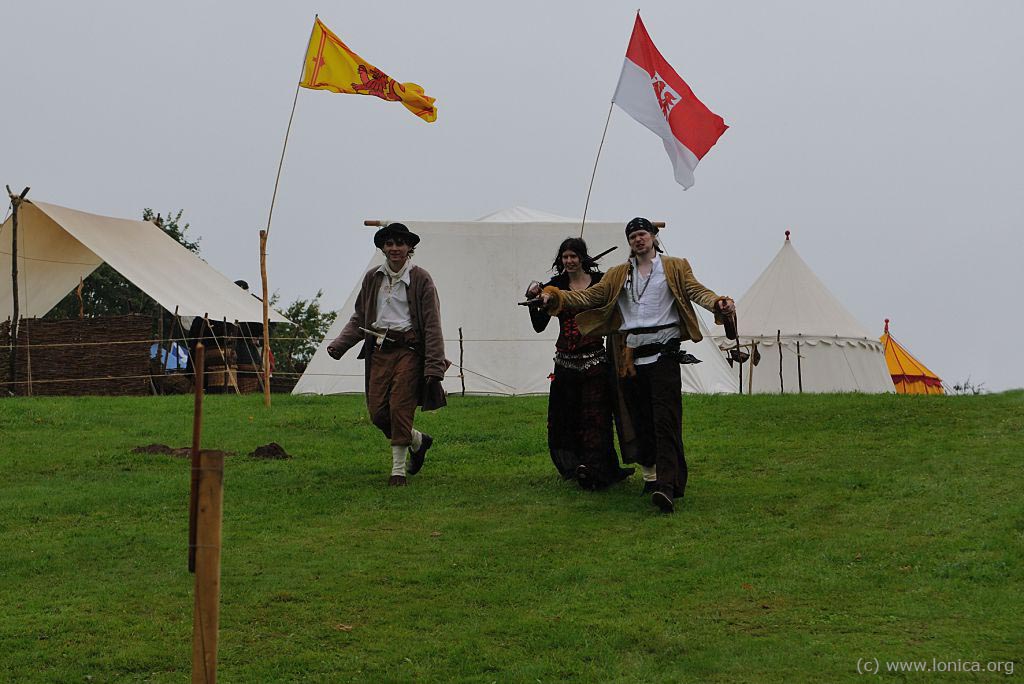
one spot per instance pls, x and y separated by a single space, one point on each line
816 531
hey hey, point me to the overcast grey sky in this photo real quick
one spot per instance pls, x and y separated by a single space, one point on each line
887 136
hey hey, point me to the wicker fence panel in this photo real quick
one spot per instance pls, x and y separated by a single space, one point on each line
106 356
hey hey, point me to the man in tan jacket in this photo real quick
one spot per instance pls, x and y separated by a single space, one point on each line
397 317
646 307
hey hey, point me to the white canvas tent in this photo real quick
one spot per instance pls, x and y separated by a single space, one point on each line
837 354
481 269
58 246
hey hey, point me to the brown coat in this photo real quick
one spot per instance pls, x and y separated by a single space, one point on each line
424 309
602 315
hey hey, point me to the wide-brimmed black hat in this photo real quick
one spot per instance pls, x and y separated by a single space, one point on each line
640 223
395 230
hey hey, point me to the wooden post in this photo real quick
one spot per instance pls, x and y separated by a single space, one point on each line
462 373
11 387
750 370
778 340
198 364
206 618
228 377
740 363
266 319
81 302
16 201
171 341
799 373
28 358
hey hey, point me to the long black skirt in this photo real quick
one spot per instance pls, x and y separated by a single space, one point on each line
580 425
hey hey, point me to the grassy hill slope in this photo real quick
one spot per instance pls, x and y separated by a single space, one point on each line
816 531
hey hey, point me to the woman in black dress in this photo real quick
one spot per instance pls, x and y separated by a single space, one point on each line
580 403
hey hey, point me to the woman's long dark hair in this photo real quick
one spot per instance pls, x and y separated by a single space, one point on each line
575 244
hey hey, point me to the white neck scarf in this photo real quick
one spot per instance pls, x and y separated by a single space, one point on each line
392 275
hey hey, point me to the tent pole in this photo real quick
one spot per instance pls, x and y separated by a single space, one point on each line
778 340
160 354
11 386
740 364
799 373
586 205
750 371
16 201
170 339
81 302
462 373
227 366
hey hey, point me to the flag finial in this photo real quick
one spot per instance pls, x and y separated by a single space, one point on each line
787 236
886 326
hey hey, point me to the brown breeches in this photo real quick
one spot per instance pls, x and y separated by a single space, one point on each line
655 402
393 392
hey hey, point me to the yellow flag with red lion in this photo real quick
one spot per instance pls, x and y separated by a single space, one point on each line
331 65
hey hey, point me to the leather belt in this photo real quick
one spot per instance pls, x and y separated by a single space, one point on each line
649 329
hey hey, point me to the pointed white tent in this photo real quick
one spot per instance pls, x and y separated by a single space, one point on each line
57 246
837 354
481 269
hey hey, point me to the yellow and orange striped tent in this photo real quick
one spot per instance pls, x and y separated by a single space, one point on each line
909 375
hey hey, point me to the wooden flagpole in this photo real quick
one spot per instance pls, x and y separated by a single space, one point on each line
266 319
265 234
593 175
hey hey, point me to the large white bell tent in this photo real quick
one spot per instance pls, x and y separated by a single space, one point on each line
836 353
481 269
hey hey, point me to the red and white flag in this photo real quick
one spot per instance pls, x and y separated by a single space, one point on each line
652 92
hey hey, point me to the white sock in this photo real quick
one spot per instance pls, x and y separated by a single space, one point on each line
417 439
650 473
398 460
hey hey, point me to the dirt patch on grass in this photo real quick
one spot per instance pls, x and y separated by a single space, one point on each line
272 451
180 452
176 452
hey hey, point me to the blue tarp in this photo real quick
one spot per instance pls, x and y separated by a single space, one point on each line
176 359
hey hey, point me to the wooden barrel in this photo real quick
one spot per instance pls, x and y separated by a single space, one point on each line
221 373
248 378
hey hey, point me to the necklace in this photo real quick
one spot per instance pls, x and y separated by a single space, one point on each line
633 272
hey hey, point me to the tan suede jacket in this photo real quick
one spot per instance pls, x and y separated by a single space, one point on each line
599 304
424 309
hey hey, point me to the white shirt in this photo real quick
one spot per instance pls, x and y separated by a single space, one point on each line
393 301
647 303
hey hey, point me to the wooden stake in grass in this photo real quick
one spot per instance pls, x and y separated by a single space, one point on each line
199 365
206 619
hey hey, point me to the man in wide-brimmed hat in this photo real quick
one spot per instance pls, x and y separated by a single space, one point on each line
645 308
398 318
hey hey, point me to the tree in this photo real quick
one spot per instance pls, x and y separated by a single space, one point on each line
108 293
294 345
